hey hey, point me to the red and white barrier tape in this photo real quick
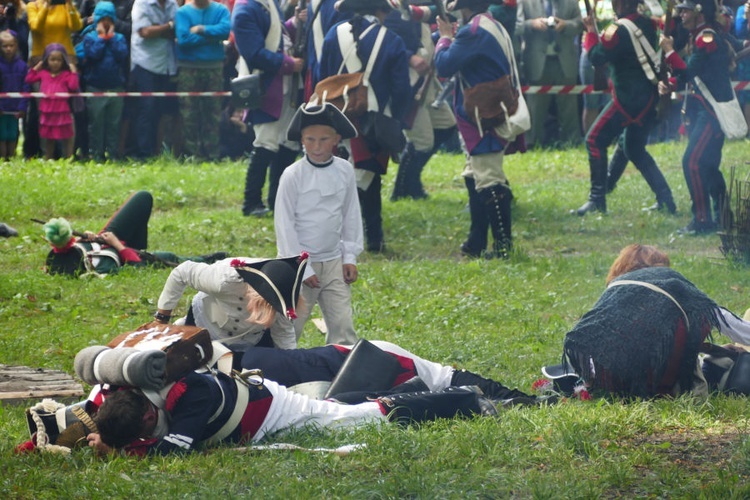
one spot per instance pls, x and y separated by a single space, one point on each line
527 89
21 95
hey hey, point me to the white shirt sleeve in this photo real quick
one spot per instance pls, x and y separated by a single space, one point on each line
734 327
202 277
352 234
284 210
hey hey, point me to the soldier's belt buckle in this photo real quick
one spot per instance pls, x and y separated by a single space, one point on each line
249 378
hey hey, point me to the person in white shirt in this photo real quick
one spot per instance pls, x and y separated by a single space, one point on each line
317 211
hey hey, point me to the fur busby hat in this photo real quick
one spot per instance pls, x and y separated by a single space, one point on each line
278 281
327 114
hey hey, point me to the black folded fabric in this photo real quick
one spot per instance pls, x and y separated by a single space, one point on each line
366 368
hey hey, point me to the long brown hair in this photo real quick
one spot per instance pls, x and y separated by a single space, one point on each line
637 256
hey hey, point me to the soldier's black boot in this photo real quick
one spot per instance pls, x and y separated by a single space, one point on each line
372 217
722 215
402 177
254 180
414 186
616 167
597 196
423 406
476 242
284 157
497 200
491 389
658 184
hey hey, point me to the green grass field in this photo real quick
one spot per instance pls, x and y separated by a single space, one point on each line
504 319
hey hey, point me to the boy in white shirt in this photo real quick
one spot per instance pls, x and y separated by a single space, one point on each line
317 211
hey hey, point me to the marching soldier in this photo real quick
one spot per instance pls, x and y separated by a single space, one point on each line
431 125
628 46
389 95
708 63
481 52
261 36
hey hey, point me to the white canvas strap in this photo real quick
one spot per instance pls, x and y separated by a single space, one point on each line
273 38
655 288
647 56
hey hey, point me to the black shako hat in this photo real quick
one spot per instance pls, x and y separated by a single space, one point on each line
278 281
362 5
69 261
706 7
327 114
470 4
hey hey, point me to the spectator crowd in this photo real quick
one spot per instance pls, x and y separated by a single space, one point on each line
201 45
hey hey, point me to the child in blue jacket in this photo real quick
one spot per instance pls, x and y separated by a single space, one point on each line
104 54
12 74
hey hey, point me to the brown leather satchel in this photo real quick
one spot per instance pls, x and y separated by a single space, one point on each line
482 102
346 91
187 347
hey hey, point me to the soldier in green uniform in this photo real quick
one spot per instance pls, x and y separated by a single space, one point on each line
628 47
123 241
709 63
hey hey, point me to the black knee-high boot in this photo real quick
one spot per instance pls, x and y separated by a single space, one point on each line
254 180
414 186
497 200
424 406
597 195
491 389
372 214
400 184
658 184
476 242
616 167
284 157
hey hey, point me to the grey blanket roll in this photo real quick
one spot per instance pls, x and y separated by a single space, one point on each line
122 366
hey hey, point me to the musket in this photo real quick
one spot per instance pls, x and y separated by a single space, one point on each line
600 72
665 100
147 256
443 95
299 49
742 54
440 7
451 83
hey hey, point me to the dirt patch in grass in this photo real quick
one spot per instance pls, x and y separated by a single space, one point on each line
692 450
695 455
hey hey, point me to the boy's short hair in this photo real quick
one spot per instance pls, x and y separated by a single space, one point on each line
7 35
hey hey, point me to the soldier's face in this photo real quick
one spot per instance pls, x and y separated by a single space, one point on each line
689 18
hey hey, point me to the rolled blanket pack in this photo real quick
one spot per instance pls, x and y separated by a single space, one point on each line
84 363
122 366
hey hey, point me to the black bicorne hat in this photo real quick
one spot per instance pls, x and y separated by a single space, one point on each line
327 114
278 281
